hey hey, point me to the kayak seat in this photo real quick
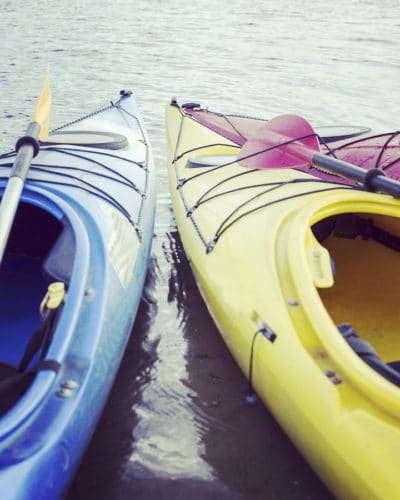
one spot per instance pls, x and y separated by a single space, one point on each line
395 365
349 226
59 262
369 355
323 228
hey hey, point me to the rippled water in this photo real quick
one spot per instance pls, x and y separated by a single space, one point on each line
176 426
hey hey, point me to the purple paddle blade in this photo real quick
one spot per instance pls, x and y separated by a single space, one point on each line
286 141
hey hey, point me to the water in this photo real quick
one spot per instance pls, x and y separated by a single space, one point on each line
176 426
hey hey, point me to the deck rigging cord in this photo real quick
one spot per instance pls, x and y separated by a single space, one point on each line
117 104
336 182
85 185
225 225
343 142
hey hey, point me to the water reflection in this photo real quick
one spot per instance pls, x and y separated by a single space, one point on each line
106 460
248 454
176 426
165 441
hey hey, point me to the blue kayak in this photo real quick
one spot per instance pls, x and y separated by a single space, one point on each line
70 285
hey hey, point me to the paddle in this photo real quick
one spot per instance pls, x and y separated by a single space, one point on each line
289 141
26 147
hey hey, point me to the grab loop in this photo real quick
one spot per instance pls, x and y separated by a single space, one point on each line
268 333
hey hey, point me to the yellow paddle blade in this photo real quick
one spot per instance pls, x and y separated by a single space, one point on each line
42 113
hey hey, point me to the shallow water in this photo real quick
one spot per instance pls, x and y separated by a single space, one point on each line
176 426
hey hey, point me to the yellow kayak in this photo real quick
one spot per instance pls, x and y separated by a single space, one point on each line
300 270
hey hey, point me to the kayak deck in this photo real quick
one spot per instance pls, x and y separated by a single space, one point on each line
70 287
300 271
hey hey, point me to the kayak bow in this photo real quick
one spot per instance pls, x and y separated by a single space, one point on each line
70 286
300 269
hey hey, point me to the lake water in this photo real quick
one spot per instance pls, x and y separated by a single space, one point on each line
176 426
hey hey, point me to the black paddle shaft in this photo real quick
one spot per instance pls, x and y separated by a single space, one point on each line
373 179
27 147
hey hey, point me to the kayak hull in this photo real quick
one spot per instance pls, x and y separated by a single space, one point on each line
269 285
108 198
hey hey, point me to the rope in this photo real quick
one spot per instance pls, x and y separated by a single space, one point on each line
227 118
383 150
89 115
209 245
221 229
251 397
230 219
250 393
126 180
115 176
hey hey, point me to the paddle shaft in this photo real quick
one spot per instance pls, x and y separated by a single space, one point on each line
27 147
289 141
373 179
